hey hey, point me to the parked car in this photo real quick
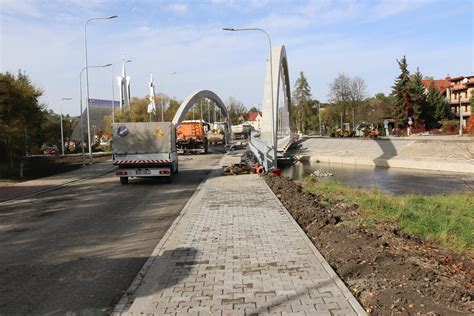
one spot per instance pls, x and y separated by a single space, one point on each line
51 151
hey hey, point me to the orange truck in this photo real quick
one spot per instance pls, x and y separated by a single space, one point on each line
191 136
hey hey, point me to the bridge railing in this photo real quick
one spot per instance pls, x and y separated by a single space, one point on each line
262 152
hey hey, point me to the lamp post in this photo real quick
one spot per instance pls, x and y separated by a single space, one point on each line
162 96
62 133
113 89
274 140
80 102
87 72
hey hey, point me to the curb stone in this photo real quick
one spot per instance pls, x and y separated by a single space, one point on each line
345 291
128 298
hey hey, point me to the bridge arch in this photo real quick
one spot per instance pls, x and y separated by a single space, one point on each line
189 102
278 74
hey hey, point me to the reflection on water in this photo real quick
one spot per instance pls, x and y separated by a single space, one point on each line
389 180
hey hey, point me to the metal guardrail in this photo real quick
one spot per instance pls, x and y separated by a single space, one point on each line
262 151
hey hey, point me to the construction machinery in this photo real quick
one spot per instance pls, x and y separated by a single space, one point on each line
345 131
191 136
144 150
217 134
241 131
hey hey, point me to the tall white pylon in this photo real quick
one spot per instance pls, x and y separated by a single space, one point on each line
124 87
151 97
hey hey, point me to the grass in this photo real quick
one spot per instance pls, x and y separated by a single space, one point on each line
446 220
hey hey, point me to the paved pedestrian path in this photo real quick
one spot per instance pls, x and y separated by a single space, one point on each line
235 250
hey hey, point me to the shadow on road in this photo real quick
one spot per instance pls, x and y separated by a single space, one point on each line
77 287
79 248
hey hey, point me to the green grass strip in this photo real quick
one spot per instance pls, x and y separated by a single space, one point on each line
445 220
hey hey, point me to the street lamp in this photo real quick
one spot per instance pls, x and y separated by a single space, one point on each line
80 102
87 71
162 96
274 140
113 89
62 133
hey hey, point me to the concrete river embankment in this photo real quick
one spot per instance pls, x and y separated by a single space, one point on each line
452 154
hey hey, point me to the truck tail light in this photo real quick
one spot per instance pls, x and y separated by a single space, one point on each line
164 172
119 172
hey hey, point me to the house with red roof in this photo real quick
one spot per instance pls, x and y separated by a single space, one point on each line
254 119
458 92
442 85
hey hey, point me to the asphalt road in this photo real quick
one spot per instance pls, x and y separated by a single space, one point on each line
77 249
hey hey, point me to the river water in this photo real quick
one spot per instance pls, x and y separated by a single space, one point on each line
390 180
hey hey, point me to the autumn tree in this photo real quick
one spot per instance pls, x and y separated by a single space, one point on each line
21 116
237 110
347 93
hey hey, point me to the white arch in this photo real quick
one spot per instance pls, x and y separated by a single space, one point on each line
279 71
193 99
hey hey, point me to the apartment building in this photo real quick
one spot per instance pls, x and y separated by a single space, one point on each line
458 92
459 96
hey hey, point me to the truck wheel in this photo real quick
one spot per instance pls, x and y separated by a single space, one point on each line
175 170
123 180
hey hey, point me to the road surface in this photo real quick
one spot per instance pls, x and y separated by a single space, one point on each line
77 248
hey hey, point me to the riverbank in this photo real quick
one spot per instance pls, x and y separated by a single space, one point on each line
388 269
439 154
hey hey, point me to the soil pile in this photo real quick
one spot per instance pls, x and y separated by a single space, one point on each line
388 271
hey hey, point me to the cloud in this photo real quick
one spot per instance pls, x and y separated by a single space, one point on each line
178 8
392 7
19 7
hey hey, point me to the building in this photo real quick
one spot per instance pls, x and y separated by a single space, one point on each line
99 110
442 85
459 94
254 119
458 91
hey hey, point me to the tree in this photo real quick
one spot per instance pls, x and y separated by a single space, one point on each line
302 104
51 129
21 116
472 101
253 109
347 93
237 110
438 102
375 109
401 91
423 112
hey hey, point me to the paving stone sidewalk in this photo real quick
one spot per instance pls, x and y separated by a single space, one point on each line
235 250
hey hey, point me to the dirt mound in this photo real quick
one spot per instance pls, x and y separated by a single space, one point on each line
386 270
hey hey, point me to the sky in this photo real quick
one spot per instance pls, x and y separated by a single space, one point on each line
322 38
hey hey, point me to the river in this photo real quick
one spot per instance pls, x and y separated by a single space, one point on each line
393 181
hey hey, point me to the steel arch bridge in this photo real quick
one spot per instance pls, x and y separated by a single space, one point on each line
274 139
189 102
